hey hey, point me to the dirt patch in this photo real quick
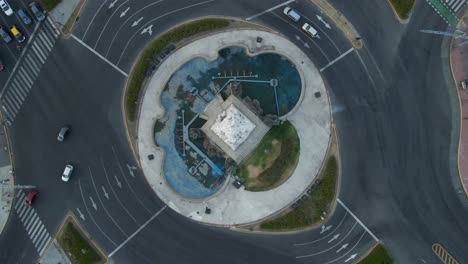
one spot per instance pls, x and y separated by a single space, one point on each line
255 170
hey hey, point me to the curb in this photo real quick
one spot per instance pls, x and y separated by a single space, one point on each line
66 35
397 16
13 196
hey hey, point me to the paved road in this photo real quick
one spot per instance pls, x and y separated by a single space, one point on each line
388 105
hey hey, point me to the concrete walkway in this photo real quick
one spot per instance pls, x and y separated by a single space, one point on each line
459 64
311 118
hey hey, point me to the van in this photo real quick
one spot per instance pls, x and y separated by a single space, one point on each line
291 13
310 30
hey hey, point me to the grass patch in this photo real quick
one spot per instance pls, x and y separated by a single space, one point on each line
50 4
272 159
73 243
155 48
378 255
402 7
309 213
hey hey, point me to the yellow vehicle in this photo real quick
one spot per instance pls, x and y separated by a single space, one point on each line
14 30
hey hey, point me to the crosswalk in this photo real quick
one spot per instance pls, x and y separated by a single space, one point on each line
454 5
27 69
32 223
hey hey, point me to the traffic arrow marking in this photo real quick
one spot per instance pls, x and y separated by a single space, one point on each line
325 228
113 4
350 258
335 237
342 247
148 30
136 24
124 12
131 169
93 203
105 193
81 214
118 182
323 21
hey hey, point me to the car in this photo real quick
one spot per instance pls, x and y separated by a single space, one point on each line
464 84
28 201
2 66
6 7
291 13
24 16
5 35
67 173
17 34
36 9
63 133
310 30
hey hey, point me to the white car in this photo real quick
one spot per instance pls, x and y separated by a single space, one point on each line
6 7
291 13
310 30
67 173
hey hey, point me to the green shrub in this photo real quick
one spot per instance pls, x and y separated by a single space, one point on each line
73 244
50 4
402 7
156 47
377 256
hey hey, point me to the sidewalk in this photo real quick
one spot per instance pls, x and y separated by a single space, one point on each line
311 118
6 181
459 65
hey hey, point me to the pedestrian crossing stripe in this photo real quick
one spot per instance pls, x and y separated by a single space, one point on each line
443 255
27 69
32 223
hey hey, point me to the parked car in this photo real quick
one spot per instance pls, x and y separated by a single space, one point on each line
28 201
24 16
464 84
17 34
5 35
310 30
36 9
63 133
6 7
2 67
67 173
291 13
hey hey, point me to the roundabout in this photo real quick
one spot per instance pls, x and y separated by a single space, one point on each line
189 179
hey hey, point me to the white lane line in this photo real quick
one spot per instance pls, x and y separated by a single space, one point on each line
18 91
26 217
18 202
357 219
125 178
51 23
330 248
104 207
108 20
44 246
269 10
21 211
329 234
38 227
40 237
116 196
337 59
33 225
30 218
39 231
459 6
137 231
90 215
157 18
355 245
99 55
92 20
18 194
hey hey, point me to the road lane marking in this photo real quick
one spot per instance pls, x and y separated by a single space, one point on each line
108 20
27 217
137 231
40 234
36 235
330 248
44 246
355 245
92 20
329 234
99 55
335 60
31 227
89 213
36 229
269 10
18 202
357 219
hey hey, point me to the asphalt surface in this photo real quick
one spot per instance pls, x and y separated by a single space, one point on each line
392 109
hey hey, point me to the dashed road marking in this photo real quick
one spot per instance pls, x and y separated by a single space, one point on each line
269 10
443 255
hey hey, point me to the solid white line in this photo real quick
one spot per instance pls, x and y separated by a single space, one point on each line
108 20
30 218
269 10
38 52
34 225
18 194
355 245
44 246
330 248
357 219
99 55
325 237
40 237
137 231
26 217
21 211
92 20
335 60
19 200
36 229
33 220
35 236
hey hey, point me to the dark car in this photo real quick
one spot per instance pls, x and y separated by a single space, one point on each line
24 16
2 67
5 35
36 9
63 133
30 198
